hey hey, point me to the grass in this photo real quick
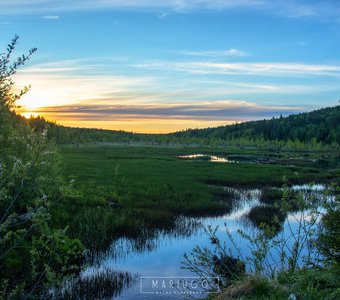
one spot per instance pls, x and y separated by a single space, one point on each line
305 284
159 165
251 287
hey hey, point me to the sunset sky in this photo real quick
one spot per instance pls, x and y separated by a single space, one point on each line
161 66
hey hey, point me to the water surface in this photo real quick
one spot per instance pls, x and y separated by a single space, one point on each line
159 254
207 157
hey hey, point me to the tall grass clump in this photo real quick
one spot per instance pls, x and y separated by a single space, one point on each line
99 284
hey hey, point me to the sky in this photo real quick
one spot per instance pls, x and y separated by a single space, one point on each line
168 65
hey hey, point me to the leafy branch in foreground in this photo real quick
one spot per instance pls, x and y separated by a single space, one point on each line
7 70
33 256
329 239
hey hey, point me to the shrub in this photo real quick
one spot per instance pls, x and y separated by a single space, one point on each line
329 239
33 256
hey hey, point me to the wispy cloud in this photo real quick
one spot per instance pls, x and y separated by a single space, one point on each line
160 118
163 15
6 25
216 54
62 82
74 93
50 17
209 111
245 68
323 9
62 66
151 5
74 81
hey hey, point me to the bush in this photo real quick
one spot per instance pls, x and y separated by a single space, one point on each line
33 256
329 240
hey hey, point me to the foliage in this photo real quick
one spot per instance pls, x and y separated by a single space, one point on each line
7 70
316 283
305 284
32 254
329 239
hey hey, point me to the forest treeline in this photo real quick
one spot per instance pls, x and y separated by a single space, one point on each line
317 128
320 126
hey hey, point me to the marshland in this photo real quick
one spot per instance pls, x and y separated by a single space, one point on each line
139 209
170 150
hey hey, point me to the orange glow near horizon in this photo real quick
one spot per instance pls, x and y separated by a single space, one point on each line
145 125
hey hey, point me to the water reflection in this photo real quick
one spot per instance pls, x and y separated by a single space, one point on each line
207 157
267 215
149 240
159 252
95 283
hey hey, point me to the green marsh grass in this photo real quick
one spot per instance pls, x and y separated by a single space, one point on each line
117 190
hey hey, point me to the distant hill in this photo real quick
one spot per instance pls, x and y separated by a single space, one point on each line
73 135
321 126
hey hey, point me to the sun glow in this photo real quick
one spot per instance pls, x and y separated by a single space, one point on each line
41 97
29 115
